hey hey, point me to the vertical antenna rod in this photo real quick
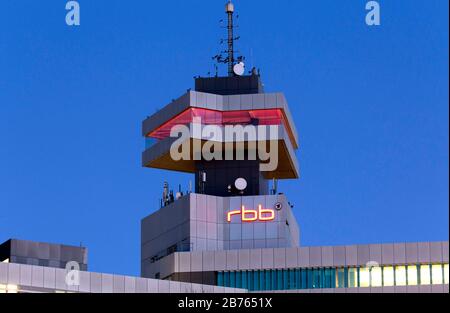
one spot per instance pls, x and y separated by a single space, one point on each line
229 8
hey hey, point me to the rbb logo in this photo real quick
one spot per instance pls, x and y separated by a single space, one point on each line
247 216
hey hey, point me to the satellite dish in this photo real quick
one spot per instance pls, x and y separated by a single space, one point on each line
239 69
240 184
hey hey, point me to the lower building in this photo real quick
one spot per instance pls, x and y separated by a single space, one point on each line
405 267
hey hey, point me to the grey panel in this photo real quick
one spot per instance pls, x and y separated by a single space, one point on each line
14 274
107 283
423 249
279 258
118 284
387 251
315 256
411 253
363 255
327 256
96 283
339 256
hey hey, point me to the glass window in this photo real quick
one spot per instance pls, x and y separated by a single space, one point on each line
226 279
238 280
400 276
340 278
425 275
262 282
268 283
388 276
291 279
316 278
279 280
285 280
244 279
446 274
232 280
330 281
297 279
250 280
310 279
413 279
352 277
304 279
364 277
436 274
376 277
220 279
274 279
255 280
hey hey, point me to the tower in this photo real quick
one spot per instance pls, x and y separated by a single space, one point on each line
238 141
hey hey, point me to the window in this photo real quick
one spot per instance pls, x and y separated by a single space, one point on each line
388 276
232 279
244 279
310 279
238 280
330 278
8 288
353 278
279 280
436 274
376 277
413 279
400 276
220 279
364 277
262 281
304 279
268 283
340 278
316 278
285 280
291 279
274 280
425 275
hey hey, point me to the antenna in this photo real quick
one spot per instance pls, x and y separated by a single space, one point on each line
229 9
230 60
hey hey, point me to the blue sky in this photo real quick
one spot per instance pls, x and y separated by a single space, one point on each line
371 107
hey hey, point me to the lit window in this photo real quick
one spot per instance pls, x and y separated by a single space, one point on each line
352 277
11 289
376 280
5 261
425 275
388 276
412 275
400 276
340 278
446 274
364 277
8 288
436 274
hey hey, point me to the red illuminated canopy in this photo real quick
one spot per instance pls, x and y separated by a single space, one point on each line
213 117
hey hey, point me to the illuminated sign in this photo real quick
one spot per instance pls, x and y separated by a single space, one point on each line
247 215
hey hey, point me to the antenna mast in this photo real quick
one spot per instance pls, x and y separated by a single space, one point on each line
229 9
